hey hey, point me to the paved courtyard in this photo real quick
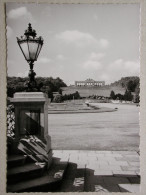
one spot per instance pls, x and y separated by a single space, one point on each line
111 170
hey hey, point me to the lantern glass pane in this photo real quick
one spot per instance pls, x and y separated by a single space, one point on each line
33 47
39 49
24 48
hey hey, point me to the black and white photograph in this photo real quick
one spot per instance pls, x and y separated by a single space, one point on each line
73 97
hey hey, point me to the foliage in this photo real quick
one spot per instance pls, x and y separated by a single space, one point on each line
128 96
57 98
60 91
137 91
72 96
112 95
119 96
127 82
49 85
131 84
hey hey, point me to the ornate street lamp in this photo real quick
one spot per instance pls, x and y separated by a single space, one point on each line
30 46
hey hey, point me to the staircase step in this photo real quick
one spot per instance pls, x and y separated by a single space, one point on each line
90 180
15 160
24 172
48 182
73 180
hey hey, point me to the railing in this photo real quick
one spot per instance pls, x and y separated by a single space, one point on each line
10 121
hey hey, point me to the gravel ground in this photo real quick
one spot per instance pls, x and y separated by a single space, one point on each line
96 131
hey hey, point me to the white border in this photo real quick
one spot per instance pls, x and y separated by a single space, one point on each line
3 71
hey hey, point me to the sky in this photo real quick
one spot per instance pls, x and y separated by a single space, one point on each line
99 41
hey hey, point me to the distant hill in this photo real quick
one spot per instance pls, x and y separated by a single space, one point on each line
119 86
89 91
123 82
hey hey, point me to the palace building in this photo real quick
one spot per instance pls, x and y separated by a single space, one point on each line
89 82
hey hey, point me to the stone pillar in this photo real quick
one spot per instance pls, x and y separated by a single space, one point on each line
31 118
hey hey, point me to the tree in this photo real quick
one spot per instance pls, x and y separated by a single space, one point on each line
131 85
112 95
47 85
10 91
119 96
76 95
72 96
60 91
57 98
137 91
128 96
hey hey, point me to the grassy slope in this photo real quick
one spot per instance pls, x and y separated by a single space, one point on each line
87 91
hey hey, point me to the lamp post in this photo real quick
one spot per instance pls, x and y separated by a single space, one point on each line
31 107
30 46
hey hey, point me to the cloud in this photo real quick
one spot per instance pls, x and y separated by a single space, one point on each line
118 62
93 62
121 68
134 66
19 13
130 67
44 60
109 72
104 43
81 39
96 56
9 31
77 37
90 65
60 57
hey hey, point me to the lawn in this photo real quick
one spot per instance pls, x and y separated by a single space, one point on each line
88 91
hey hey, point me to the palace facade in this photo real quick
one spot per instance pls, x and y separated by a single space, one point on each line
89 82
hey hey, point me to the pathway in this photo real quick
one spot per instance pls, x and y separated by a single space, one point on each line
108 171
